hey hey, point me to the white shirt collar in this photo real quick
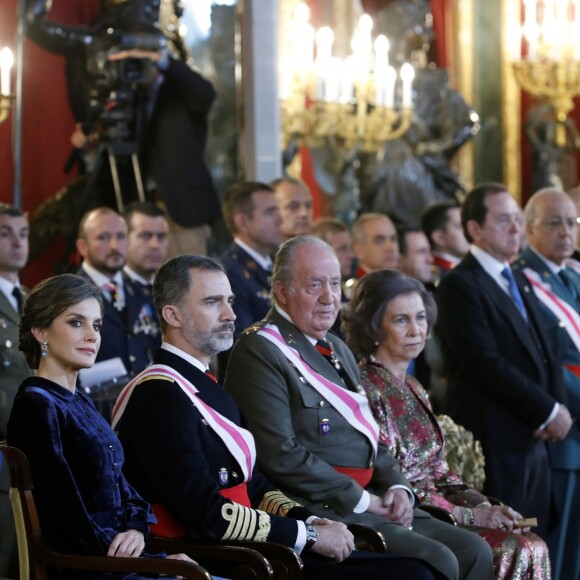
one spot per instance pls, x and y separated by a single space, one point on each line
101 279
492 266
7 287
264 261
552 266
136 277
185 356
285 315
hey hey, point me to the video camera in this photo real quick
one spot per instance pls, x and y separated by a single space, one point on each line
117 88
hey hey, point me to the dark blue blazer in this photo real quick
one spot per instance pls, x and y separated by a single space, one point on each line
250 285
132 333
503 380
173 457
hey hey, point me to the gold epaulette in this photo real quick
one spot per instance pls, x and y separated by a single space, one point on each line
255 327
157 378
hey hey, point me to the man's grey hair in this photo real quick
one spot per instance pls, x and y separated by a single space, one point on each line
530 209
358 230
283 269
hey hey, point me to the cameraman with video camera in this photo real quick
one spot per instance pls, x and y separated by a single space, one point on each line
132 100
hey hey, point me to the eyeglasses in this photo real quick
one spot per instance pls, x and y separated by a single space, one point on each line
557 223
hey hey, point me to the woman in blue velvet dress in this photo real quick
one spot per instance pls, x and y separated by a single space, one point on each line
84 503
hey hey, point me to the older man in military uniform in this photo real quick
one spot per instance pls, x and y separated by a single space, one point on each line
551 229
13 367
315 435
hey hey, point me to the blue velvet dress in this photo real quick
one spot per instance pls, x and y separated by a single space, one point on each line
81 495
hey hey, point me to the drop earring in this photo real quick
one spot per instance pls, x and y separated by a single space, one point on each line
43 349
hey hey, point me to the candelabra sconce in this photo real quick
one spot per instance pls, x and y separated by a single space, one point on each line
559 82
350 101
551 68
6 98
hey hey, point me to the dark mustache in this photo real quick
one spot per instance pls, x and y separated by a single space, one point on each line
227 326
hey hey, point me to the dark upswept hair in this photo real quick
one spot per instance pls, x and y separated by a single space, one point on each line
49 299
238 199
148 208
474 206
436 216
362 317
11 211
173 280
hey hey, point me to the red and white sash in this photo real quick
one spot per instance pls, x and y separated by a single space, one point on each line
354 408
239 441
566 313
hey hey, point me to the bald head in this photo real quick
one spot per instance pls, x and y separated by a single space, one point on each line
551 224
102 240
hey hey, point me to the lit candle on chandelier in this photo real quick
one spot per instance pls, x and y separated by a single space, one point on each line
6 62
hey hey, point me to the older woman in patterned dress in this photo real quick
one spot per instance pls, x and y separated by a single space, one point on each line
386 324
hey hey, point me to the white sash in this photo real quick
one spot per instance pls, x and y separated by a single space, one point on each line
566 313
239 441
354 408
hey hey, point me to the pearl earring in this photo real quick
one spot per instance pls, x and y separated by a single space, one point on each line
376 343
43 349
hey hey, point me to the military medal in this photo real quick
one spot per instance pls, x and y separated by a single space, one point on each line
325 426
223 476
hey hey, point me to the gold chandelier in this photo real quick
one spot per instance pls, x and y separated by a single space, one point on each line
551 68
359 101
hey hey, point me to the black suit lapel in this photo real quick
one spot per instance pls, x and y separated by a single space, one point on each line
509 310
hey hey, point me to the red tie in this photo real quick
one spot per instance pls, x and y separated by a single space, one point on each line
211 376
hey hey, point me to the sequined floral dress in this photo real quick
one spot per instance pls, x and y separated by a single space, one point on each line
410 429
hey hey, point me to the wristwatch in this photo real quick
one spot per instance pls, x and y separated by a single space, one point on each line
311 537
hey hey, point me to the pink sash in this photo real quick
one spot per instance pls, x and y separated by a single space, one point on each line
353 408
566 313
239 441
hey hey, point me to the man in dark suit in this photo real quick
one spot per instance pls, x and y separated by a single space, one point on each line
130 329
315 435
504 384
186 447
13 367
551 233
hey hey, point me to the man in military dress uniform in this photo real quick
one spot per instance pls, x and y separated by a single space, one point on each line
13 367
253 218
188 453
316 438
130 330
551 230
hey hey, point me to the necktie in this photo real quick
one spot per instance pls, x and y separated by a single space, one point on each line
514 291
111 288
211 376
18 295
566 279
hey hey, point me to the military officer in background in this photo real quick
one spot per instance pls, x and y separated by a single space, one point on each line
13 367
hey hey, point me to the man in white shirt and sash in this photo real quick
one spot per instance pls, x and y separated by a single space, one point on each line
188 453
316 438
551 230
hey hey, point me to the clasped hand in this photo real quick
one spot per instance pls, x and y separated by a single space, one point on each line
334 539
557 428
395 506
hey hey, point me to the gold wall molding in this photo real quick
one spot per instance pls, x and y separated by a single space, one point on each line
462 75
511 97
